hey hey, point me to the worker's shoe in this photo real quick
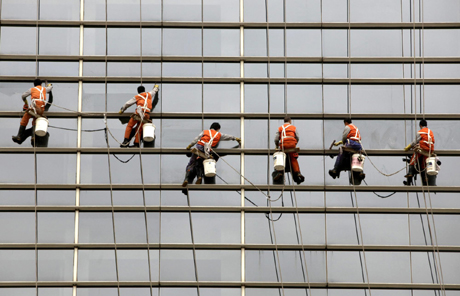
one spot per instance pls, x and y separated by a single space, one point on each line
410 172
278 176
185 183
199 180
199 175
135 145
334 174
125 143
19 138
300 178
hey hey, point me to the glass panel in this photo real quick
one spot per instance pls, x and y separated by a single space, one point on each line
62 174
95 227
59 41
441 11
17 197
14 9
151 38
221 11
17 265
221 42
96 265
216 228
97 291
218 265
124 41
176 265
182 41
56 197
182 10
130 227
54 291
18 40
58 68
55 265
17 227
93 41
17 68
16 173
60 10
56 227
302 42
383 43
221 70
221 98
133 265
364 11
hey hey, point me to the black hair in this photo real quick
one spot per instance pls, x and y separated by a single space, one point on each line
215 126
423 122
287 119
140 89
347 120
37 82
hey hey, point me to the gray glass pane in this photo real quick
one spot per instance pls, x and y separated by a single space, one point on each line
335 99
58 68
59 41
221 98
439 43
16 173
255 11
446 229
260 266
124 69
97 291
221 70
17 197
18 292
55 265
54 291
221 42
259 229
17 68
182 42
17 265
303 11
299 95
175 228
216 228
138 291
364 11
365 97
335 42
90 198
182 69
13 9
18 40
255 42
181 98
383 43
62 174
56 227
304 71
182 10
93 41
60 10
128 198
301 42
96 265
334 10
179 291
437 97
17 227
221 11
151 39
55 197
441 11
133 265
94 10
95 228
130 227
176 265
123 11
124 41
219 265
219 291
217 198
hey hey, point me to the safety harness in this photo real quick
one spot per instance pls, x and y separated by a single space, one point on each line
283 133
142 109
208 145
357 135
40 98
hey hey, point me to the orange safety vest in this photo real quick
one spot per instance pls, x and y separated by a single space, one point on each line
427 139
354 133
287 134
144 103
38 96
210 136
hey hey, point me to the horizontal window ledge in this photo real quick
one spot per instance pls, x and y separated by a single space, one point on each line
230 209
200 284
236 59
223 152
157 79
188 246
230 187
262 25
217 115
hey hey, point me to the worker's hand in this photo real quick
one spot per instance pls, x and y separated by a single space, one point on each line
189 147
238 140
25 107
48 84
156 86
407 147
120 112
338 143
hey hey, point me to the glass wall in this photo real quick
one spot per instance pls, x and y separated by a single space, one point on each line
85 217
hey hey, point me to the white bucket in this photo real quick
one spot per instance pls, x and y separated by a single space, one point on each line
41 126
279 160
357 162
148 130
209 167
431 168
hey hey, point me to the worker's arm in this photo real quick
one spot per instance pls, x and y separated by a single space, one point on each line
127 105
277 138
297 136
345 133
49 88
195 140
225 137
416 141
154 90
25 95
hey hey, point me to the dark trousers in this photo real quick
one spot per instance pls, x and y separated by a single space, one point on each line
349 144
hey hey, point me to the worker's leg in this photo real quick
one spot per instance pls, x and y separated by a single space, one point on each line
128 130
138 130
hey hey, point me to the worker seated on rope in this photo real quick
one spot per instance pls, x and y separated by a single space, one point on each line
145 104
351 138
423 147
35 109
205 141
287 138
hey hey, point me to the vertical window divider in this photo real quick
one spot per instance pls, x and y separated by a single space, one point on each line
242 169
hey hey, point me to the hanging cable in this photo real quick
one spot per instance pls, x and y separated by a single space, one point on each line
34 142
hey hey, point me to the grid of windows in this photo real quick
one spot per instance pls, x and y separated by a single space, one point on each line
75 220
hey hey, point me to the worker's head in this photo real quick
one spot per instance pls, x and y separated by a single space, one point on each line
423 123
37 82
140 89
347 121
215 126
287 119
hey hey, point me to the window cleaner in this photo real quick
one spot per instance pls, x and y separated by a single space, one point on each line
145 104
423 147
349 152
286 139
205 142
35 109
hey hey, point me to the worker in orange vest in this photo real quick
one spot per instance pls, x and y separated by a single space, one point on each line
205 141
424 141
287 138
351 138
35 109
145 104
